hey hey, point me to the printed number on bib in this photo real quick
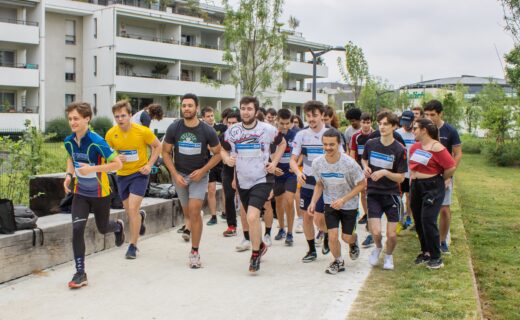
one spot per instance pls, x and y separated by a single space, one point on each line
381 160
130 155
333 178
421 156
313 153
249 150
190 148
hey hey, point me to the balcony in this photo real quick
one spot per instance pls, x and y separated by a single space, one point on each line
305 69
13 119
148 84
25 75
19 31
167 49
300 97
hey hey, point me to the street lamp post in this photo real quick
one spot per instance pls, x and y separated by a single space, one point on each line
315 55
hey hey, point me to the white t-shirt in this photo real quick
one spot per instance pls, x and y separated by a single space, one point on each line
252 149
349 132
338 179
308 143
409 140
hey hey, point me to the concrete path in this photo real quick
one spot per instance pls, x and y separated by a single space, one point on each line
159 284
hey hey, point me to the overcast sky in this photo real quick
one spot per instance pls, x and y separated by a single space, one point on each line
404 40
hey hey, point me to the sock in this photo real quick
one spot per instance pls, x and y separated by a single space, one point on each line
80 264
246 235
193 249
339 259
312 247
267 230
256 253
326 238
117 227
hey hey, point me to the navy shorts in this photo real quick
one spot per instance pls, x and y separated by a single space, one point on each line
305 200
135 183
282 185
384 203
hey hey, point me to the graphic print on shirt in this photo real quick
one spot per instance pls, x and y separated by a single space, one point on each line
188 144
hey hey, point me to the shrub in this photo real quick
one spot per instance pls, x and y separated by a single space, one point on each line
472 144
60 127
504 154
101 125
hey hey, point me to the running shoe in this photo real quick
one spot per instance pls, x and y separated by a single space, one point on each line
434 264
181 229
212 221
186 235
389 262
398 228
142 229
310 257
78 280
444 248
281 234
325 248
422 258
244 245
319 239
131 253
223 216
299 226
363 219
263 249
254 263
289 240
407 222
373 259
230 232
194 260
120 235
267 240
354 251
335 267
369 241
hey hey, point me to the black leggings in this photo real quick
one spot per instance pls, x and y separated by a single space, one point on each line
426 196
81 206
229 195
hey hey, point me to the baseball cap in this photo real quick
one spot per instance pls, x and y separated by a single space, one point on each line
407 118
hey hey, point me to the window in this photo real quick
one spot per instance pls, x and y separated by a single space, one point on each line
70 32
7 101
95 65
95 28
70 69
69 98
7 59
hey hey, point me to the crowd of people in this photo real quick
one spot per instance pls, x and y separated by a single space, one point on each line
312 178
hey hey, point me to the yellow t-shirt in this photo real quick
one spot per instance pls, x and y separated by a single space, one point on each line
133 144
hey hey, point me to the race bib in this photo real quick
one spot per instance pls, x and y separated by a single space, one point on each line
190 148
409 142
360 150
314 153
249 150
130 155
421 156
333 178
79 175
286 158
381 160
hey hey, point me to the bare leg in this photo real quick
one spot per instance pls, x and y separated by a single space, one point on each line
195 205
212 198
444 222
255 227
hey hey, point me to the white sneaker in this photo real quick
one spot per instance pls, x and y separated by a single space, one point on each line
389 262
194 260
244 245
319 239
299 226
373 259
267 240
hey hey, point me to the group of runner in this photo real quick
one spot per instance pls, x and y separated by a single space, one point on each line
257 162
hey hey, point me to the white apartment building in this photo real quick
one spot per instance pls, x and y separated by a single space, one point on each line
53 52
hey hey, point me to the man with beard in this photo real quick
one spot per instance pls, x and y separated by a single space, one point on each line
189 139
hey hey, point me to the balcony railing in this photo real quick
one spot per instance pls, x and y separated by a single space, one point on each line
149 75
24 22
14 109
70 76
166 40
19 65
70 39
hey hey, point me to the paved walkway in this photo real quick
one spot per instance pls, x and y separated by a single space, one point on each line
159 284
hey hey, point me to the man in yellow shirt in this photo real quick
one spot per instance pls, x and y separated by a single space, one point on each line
131 140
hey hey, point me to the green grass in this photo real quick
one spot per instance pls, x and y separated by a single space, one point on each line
490 199
55 159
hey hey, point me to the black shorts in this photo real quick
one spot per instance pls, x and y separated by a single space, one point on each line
405 185
384 203
256 196
305 200
280 186
215 174
348 219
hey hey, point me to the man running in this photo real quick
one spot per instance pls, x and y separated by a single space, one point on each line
89 159
249 144
190 139
340 179
144 117
450 139
384 164
406 122
131 141
353 116
285 183
308 142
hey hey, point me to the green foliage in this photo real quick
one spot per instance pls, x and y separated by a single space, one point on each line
376 94
293 23
101 125
472 144
505 154
253 44
513 67
356 69
59 127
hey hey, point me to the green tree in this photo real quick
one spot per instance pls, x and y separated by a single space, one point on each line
472 115
376 89
293 23
356 67
511 10
253 44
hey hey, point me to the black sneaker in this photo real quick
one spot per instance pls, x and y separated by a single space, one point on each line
422 258
142 230
223 216
354 251
120 235
444 248
181 229
335 267
254 263
186 235
131 253
310 257
363 220
434 264
78 280
325 247
212 221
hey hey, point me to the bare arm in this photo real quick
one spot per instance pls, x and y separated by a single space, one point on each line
156 152
168 162
449 173
457 154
